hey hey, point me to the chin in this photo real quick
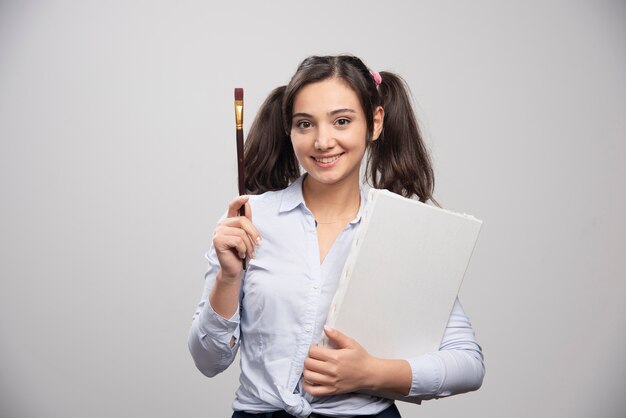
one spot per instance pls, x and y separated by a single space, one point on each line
327 179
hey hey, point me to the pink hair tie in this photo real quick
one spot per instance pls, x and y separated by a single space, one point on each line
377 78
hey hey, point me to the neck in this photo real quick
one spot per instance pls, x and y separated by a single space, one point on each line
339 201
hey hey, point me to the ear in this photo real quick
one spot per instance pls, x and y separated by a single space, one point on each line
379 118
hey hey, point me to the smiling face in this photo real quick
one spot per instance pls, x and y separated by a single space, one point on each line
329 131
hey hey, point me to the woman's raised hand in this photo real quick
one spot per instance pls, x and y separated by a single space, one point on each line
235 238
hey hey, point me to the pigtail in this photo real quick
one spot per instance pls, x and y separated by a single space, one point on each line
270 161
399 161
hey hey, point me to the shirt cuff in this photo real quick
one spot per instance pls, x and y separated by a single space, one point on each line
219 329
427 375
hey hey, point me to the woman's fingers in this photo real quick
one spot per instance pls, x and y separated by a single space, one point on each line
319 390
316 379
248 211
242 228
341 370
315 365
236 204
230 243
246 225
319 378
244 222
248 245
323 354
236 236
319 383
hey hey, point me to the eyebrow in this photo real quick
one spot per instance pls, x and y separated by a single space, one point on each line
332 113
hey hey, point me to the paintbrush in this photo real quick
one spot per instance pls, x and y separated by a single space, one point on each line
240 161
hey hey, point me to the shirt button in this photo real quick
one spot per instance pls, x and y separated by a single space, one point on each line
316 286
307 328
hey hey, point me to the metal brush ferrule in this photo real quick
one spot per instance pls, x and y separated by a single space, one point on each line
239 114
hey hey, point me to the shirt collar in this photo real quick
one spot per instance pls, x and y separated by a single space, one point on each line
293 197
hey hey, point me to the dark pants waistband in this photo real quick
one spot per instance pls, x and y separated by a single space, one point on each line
391 412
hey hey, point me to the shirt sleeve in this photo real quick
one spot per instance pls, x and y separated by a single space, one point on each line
456 368
211 334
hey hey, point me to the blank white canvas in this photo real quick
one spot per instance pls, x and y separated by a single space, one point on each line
402 275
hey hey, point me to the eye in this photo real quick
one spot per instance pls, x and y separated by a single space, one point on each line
304 124
342 121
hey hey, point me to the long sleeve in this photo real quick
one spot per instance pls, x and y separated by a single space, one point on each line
210 335
456 368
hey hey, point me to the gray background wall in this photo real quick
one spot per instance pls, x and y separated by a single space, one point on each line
117 157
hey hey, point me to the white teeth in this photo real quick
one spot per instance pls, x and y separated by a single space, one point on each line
327 160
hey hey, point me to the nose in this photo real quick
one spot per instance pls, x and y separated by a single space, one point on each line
325 139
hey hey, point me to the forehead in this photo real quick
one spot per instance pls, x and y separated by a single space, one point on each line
325 96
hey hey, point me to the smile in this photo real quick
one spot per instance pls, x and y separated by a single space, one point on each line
327 160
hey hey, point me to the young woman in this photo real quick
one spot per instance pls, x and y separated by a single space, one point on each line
296 235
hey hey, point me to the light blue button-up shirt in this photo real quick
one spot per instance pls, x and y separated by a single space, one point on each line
286 294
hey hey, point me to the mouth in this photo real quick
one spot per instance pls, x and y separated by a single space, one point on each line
327 160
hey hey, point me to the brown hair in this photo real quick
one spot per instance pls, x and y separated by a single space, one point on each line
398 161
